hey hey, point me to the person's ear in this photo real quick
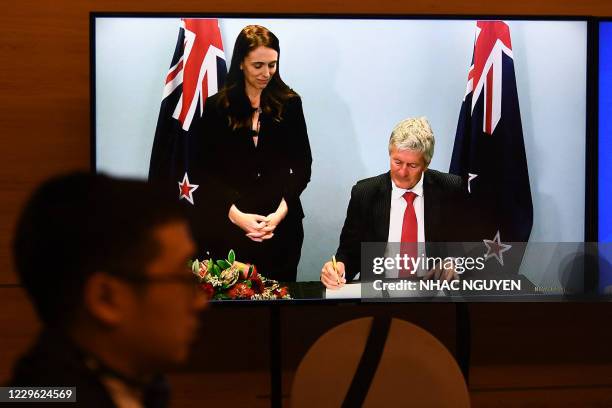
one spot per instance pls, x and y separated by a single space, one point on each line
105 298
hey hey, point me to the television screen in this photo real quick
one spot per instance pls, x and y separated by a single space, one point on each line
505 100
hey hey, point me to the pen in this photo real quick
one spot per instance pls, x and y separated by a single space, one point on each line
336 268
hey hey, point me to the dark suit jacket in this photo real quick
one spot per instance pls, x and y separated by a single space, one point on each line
367 217
55 361
254 178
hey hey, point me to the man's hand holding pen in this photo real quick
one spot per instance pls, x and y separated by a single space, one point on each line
333 274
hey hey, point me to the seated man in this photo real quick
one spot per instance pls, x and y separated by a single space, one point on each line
409 204
105 263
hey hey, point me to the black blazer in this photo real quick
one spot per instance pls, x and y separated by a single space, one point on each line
255 179
367 217
54 360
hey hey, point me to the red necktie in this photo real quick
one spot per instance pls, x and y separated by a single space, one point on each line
410 236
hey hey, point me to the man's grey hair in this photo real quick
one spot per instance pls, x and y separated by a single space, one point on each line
413 134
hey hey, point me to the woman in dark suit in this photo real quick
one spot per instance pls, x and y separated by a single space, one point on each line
254 154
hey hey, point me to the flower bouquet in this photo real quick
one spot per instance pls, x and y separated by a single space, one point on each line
230 279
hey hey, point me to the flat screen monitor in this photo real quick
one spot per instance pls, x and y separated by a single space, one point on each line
357 78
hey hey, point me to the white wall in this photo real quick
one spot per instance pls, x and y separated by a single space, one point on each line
357 78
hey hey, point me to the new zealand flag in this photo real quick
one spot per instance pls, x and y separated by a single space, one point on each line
489 152
197 71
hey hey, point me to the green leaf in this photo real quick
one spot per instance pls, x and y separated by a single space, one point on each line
231 257
195 266
210 265
250 270
223 264
216 270
227 286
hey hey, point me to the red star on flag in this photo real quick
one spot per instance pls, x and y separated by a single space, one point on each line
186 189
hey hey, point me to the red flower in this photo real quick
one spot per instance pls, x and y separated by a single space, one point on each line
257 284
208 289
281 292
240 291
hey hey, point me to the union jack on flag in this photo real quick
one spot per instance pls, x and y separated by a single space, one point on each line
197 71
196 67
492 39
489 151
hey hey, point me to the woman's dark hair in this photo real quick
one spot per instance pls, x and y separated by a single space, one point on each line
233 98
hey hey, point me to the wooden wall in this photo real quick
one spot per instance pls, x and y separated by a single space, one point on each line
44 128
